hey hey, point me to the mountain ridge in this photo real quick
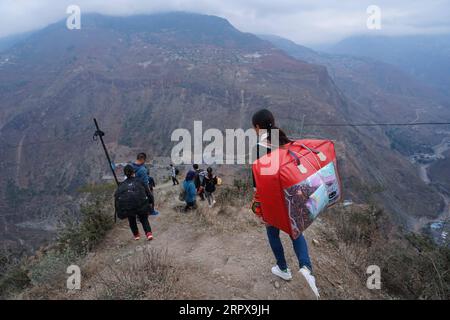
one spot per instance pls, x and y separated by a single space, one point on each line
426 57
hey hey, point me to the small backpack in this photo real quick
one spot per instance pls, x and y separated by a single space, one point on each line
131 199
151 182
210 185
199 177
177 172
202 175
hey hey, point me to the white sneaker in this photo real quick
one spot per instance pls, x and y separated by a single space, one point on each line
310 279
285 275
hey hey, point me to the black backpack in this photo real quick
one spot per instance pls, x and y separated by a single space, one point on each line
210 183
177 172
131 199
151 182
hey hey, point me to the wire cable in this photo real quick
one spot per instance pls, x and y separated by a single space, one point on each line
8 146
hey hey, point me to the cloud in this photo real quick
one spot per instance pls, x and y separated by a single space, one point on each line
304 21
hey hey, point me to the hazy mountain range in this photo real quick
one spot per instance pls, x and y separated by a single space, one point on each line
426 57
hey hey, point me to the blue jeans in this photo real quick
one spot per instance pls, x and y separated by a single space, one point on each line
299 244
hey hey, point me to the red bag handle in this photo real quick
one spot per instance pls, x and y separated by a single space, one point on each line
297 159
306 147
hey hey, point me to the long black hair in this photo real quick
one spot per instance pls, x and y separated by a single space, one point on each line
210 172
266 121
128 171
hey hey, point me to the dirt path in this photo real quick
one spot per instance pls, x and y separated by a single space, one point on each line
223 254
225 265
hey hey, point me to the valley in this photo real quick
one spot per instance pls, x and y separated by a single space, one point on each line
145 76
156 83
439 227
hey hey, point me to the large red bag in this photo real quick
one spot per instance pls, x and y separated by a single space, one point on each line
296 182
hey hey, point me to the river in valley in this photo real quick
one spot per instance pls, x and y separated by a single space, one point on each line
438 228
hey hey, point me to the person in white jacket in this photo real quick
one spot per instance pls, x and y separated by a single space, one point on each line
173 174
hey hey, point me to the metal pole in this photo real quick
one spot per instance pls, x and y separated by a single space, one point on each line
100 134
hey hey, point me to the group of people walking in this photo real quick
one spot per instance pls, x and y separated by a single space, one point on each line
202 184
134 199
199 183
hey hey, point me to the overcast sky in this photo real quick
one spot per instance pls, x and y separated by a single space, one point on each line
308 22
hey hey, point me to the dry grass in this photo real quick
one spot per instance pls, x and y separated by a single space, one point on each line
232 210
412 267
224 218
148 274
230 214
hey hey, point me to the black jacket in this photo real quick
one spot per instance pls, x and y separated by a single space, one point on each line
209 183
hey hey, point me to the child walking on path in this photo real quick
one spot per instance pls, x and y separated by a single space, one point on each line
209 185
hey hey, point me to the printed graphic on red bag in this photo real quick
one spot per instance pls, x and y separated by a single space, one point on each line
308 198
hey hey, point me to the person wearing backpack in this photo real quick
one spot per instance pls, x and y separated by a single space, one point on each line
173 173
209 185
142 173
140 169
190 192
264 120
198 181
133 200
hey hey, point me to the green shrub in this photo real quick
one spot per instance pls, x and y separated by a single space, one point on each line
5 261
76 238
80 237
14 280
416 269
51 267
412 266
99 190
356 226
239 193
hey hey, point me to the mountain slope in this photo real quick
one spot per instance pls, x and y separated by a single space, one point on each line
381 88
219 253
223 253
380 92
425 57
144 76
